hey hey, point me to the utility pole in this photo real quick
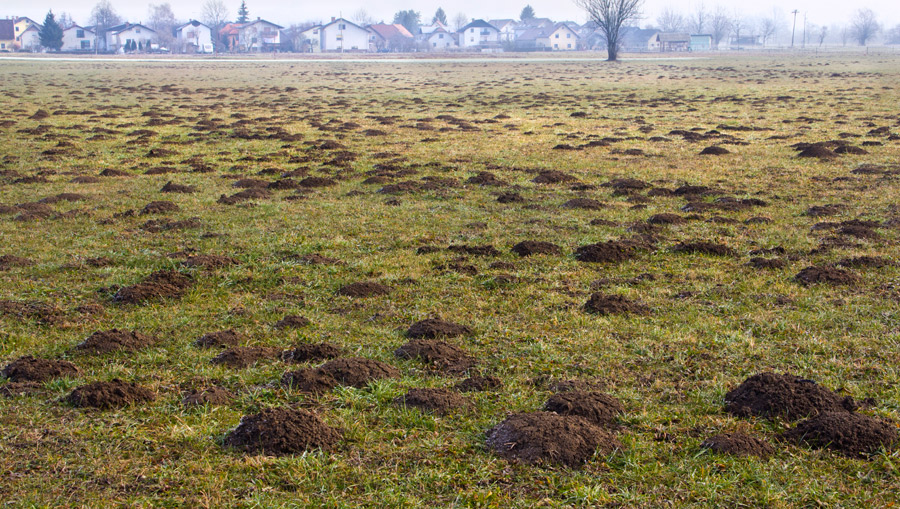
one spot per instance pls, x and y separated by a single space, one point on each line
794 30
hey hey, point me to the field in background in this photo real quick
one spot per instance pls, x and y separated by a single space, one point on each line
399 144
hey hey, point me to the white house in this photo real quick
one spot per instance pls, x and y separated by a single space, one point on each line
312 39
259 35
118 36
507 28
342 35
77 38
29 39
194 37
440 40
479 34
560 37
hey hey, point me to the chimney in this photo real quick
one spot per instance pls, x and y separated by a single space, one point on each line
333 19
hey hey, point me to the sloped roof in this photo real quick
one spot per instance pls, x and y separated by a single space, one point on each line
388 32
7 30
478 23
674 37
342 20
193 23
500 23
128 26
638 35
258 20
543 32
79 27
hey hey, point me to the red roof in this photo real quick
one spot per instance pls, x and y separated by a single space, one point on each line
388 32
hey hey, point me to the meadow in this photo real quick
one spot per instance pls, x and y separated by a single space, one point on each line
617 245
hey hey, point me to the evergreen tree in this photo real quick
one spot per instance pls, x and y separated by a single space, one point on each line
440 16
409 19
243 13
527 13
51 33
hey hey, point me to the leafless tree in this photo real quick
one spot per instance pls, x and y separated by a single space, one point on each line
766 29
720 25
845 34
822 33
103 16
670 21
459 21
362 18
738 25
893 35
698 20
864 26
162 19
65 20
215 15
610 16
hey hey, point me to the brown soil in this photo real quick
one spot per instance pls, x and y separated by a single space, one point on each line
432 328
549 438
308 352
245 195
875 262
160 225
9 261
583 203
115 340
824 210
486 178
210 261
110 172
666 218
15 389
603 304
245 356
439 355
858 231
714 151
439 401
250 183
510 198
364 289
292 322
282 431
830 275
164 284
709 248
479 383
817 151
789 397
766 263
32 369
107 395
309 380
612 251
213 396
38 311
310 182
553 177
219 339
850 149
536 247
738 444
172 187
599 408
159 207
486 250
850 434
358 371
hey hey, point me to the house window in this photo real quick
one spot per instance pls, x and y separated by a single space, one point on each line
471 30
440 36
137 30
342 27
79 34
556 46
2 45
557 36
85 44
434 44
569 46
568 36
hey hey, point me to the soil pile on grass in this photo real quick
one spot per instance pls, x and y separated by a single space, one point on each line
9 261
536 247
38 311
758 262
210 261
33 369
666 218
486 250
598 408
432 328
817 151
786 396
714 151
245 356
829 209
112 394
159 207
553 177
312 182
245 195
364 289
219 339
875 262
613 251
437 354
212 396
308 352
479 383
439 401
485 178
282 431
172 187
851 434
317 259
510 198
738 444
164 284
546 437
14 389
829 275
358 371
310 381
292 322
709 248
115 340
603 304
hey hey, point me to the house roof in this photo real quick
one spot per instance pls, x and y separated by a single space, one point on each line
259 20
193 23
674 37
7 30
128 26
388 32
500 23
543 32
79 27
477 23
342 20
638 35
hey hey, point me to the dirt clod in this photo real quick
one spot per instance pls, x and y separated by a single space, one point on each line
603 304
786 396
439 401
738 444
598 408
479 383
33 369
358 371
164 284
439 355
536 247
432 328
115 340
282 431
828 275
219 339
213 396
106 395
292 322
245 356
308 352
851 434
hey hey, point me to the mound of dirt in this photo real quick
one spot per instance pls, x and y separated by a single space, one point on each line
666 218
486 250
738 444
850 149
848 433
219 339
172 187
159 207
164 284
432 328
245 356
33 369
829 209
310 381
358 371
210 261
817 151
603 304
213 396
38 311
485 178
15 389
479 383
245 195
546 437
9 261
553 177
115 340
510 198
613 251
317 259
714 151
308 352
536 247
292 322
282 431
439 401
709 248
439 355
598 408
875 262
758 262
311 182
364 289
107 395
789 397
828 275
583 203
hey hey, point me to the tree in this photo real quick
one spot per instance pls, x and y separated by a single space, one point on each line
697 22
51 33
459 21
243 13
409 19
362 18
893 35
103 16
610 16
864 26
720 25
65 20
670 21
439 17
821 34
215 14
737 26
162 19
527 13
766 29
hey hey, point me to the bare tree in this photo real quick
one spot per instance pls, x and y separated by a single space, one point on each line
670 21
162 19
459 21
822 33
610 16
215 15
65 20
864 26
720 25
697 22
362 18
103 16
845 35
766 29
893 35
738 25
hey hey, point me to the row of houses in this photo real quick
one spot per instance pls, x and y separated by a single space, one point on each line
342 35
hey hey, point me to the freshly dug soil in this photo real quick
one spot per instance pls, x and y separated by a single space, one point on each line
9 261
766 263
613 251
598 408
245 356
317 259
172 187
817 151
714 151
364 289
549 438
311 182
282 431
510 198
603 304
829 275
848 433
159 207
308 352
553 177
479 383
292 322
485 178
875 262
107 395
219 339
164 284
536 247
210 261
32 369
439 401
666 218
709 248
432 328
309 380
486 250
358 371
738 444
115 340
439 355
15 389
214 396
786 396
829 209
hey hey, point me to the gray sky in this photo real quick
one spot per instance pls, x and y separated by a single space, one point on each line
827 12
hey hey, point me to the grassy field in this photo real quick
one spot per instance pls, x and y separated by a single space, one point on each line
710 321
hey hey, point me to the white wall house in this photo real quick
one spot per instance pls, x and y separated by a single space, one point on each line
342 35
118 36
30 39
259 35
194 37
78 38
440 40
479 33
507 28
312 39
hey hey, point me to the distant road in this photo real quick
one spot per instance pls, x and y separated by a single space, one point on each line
294 60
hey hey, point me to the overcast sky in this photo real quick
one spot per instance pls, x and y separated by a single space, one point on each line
285 13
